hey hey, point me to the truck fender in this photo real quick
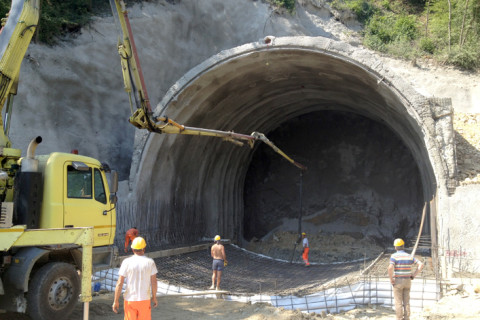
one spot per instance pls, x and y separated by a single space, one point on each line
18 273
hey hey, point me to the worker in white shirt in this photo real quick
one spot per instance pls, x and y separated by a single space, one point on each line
306 249
140 274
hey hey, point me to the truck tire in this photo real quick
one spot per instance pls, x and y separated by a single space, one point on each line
53 292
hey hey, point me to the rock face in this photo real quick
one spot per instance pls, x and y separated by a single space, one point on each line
467 142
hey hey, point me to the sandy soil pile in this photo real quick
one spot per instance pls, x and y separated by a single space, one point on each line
324 247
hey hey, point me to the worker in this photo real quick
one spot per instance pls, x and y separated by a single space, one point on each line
306 249
129 236
140 273
219 262
400 274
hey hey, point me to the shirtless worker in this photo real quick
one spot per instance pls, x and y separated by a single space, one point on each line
219 261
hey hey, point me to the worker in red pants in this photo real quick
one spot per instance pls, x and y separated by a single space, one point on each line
306 249
129 236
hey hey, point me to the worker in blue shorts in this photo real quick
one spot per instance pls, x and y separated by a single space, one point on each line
219 262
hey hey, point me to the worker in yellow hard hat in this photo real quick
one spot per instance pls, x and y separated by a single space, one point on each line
140 273
219 262
401 276
306 249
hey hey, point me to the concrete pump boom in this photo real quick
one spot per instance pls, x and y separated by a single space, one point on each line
142 117
15 38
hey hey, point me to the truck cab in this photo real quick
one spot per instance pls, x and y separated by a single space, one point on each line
44 245
76 194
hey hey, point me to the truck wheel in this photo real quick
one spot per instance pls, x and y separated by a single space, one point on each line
53 292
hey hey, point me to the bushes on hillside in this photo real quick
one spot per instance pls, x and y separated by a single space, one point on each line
411 28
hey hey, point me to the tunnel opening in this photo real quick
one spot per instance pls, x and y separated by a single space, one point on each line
361 190
376 146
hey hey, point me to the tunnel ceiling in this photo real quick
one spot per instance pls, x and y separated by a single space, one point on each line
259 87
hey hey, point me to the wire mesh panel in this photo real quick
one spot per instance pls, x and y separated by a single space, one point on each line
157 224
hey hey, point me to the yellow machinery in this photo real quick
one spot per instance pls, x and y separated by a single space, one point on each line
57 211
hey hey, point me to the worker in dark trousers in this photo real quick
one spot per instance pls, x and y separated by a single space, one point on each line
401 276
306 249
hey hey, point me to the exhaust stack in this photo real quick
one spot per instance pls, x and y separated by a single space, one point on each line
30 164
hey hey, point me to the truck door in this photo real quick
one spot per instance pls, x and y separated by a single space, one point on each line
86 203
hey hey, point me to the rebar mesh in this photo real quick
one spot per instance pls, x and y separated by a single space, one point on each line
248 273
159 228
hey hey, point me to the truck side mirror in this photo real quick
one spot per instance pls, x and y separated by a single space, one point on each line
113 199
114 181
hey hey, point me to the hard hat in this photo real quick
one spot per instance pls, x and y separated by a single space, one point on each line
138 243
398 242
304 234
217 238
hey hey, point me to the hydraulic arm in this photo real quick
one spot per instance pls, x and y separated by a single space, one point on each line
142 116
15 37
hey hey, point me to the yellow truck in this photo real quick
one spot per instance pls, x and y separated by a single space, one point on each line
57 222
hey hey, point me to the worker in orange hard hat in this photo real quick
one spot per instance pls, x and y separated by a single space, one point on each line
129 236
306 249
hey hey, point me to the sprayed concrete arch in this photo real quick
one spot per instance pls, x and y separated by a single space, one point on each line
200 182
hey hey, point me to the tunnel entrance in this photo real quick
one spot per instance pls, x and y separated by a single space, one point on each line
362 182
375 149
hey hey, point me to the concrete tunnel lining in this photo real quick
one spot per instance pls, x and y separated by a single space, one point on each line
257 87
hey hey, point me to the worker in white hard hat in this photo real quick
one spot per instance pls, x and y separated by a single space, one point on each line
219 262
401 276
306 249
140 294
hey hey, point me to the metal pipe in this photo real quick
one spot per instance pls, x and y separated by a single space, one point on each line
420 229
30 164
32 146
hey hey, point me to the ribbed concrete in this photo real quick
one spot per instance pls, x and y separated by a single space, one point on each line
258 87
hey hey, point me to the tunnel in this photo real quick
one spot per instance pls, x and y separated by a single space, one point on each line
375 149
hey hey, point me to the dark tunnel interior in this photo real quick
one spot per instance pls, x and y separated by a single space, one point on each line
361 180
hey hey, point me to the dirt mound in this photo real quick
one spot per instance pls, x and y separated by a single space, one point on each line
324 247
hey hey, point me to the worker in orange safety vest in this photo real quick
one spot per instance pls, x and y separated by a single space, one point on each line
129 236
306 249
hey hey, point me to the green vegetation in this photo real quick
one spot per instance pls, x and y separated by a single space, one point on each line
447 30
287 4
61 17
